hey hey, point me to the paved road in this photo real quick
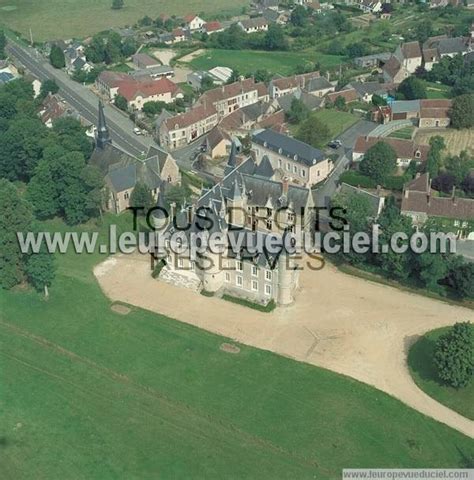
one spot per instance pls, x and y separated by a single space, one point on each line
82 99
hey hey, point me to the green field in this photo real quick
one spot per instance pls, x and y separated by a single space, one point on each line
437 90
55 19
248 61
405 133
90 394
424 373
337 121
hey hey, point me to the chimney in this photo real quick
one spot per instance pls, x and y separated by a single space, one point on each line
284 184
190 213
453 196
405 192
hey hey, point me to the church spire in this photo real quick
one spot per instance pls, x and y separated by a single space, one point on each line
103 134
232 162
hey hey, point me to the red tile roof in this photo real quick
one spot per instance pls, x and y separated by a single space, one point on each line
436 108
411 50
349 95
212 26
295 81
196 114
229 91
131 89
403 148
189 18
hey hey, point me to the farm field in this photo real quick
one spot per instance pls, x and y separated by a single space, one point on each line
456 140
248 61
424 373
337 121
91 393
56 19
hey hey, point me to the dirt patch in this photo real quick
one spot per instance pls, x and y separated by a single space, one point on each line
456 140
191 56
120 309
164 55
229 348
354 327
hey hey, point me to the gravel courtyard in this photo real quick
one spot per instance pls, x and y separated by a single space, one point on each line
340 322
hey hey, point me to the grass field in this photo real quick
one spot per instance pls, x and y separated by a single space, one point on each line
88 393
337 121
248 61
55 19
425 375
437 90
405 133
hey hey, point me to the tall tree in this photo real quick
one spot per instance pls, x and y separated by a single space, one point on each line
379 162
56 57
298 111
3 44
313 132
461 280
412 88
275 38
16 217
48 86
462 112
141 197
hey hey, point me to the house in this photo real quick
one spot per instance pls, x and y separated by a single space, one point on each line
51 109
80 64
450 47
375 200
299 162
366 90
393 72
217 143
248 118
253 25
193 23
274 16
410 56
370 6
180 130
312 102
430 57
280 86
272 4
420 203
314 7
155 73
372 61
123 171
349 95
406 150
212 27
138 93
319 86
179 35
229 98
142 60
434 113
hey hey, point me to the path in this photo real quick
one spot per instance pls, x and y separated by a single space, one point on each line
340 322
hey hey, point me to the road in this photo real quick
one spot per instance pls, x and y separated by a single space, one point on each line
348 139
82 99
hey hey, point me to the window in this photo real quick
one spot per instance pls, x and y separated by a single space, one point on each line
268 289
269 224
193 265
268 274
303 172
279 162
180 263
227 276
254 270
295 169
288 167
254 285
239 281
457 223
238 266
126 196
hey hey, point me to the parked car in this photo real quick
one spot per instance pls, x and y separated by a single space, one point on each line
335 144
137 131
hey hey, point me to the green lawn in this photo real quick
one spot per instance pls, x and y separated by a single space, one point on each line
91 394
437 90
424 373
337 121
248 61
54 19
405 133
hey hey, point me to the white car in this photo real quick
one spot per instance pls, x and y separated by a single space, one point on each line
137 131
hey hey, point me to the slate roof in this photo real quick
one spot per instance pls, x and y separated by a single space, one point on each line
371 88
264 169
318 83
402 106
452 45
289 147
309 100
392 67
254 23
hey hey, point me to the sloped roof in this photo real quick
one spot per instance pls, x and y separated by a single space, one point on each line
196 114
392 67
411 50
349 95
289 147
403 148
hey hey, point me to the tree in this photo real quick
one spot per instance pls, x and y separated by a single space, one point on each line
298 111
379 162
356 50
313 132
40 269
48 86
3 44
433 161
121 102
153 108
412 88
462 112
454 355
299 16
461 279
424 30
16 217
378 101
117 4
340 103
262 75
459 166
56 57
207 83
142 197
275 38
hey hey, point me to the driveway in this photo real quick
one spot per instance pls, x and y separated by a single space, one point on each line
340 322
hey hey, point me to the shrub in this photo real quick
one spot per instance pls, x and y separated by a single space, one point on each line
454 355
269 307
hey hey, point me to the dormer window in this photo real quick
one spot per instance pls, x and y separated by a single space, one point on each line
280 151
417 154
295 157
265 144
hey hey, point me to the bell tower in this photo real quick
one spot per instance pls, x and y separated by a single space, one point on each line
103 134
